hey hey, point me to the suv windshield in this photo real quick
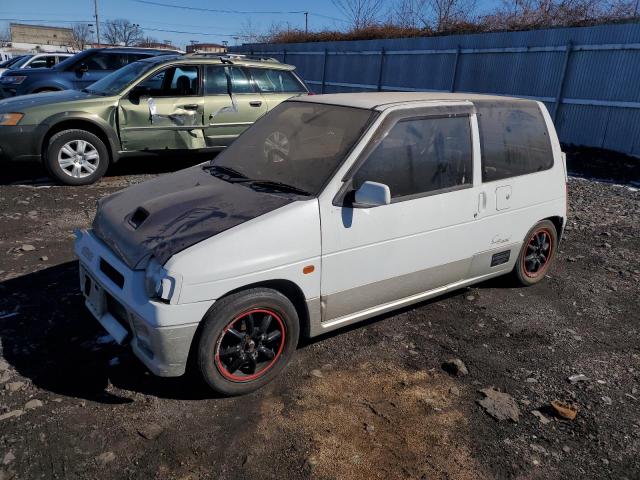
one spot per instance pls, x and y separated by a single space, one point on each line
298 145
117 81
21 62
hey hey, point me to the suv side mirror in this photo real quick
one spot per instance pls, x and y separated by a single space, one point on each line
372 194
82 68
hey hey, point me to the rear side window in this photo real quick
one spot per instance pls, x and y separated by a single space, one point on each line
276 81
422 155
514 140
216 83
105 61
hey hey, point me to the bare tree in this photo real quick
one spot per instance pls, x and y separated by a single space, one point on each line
123 32
409 14
359 13
81 36
249 32
520 14
5 36
148 42
446 13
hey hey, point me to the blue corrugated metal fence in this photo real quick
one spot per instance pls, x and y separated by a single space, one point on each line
589 77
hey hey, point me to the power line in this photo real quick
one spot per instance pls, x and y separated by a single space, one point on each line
237 12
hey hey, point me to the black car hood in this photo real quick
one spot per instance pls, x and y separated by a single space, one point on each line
164 216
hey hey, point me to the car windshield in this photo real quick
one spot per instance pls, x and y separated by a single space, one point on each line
21 62
117 81
296 147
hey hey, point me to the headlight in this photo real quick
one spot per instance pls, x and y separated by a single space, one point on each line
10 118
158 282
12 79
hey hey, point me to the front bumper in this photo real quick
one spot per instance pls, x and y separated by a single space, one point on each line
160 334
20 142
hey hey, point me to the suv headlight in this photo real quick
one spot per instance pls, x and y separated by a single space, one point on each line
10 118
157 281
12 79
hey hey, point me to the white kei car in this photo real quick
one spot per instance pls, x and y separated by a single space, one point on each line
329 210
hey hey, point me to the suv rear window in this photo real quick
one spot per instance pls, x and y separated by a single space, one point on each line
421 155
276 81
513 138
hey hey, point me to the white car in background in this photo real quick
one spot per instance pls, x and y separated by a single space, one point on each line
38 60
329 210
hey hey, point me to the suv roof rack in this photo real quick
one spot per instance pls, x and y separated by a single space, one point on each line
230 57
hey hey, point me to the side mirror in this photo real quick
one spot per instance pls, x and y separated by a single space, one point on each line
82 68
136 93
372 194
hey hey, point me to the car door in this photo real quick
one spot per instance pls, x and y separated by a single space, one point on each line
276 85
231 104
422 239
164 111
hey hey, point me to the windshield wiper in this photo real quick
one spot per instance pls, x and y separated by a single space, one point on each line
285 187
226 173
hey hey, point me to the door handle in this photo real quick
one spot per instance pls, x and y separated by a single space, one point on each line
482 201
255 103
191 106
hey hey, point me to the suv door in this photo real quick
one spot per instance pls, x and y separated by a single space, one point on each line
164 111
421 240
276 85
231 104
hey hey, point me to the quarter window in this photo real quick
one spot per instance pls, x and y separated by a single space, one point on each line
422 155
514 140
276 81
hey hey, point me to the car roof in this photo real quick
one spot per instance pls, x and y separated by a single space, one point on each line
135 50
219 59
381 100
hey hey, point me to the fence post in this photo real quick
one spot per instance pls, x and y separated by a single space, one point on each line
455 70
324 71
563 76
284 56
381 70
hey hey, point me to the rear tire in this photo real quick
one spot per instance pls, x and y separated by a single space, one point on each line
76 157
537 253
247 340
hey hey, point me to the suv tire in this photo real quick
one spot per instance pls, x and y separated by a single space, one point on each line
76 157
246 341
537 253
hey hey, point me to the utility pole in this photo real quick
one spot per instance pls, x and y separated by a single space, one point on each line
306 22
95 4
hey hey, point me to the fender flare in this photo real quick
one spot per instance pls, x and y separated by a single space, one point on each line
50 122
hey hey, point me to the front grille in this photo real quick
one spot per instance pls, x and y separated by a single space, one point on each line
112 274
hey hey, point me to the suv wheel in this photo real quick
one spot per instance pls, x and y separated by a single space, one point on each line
247 339
76 157
537 253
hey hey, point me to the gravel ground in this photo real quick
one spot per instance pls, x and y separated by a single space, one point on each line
371 401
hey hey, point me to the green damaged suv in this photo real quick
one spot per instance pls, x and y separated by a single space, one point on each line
182 102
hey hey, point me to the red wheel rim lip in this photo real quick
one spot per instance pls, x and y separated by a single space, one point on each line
247 378
544 267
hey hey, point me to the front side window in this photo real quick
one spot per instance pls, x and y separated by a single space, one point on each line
105 61
179 81
42 62
276 81
513 138
299 144
421 155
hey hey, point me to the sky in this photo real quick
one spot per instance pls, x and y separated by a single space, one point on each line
183 21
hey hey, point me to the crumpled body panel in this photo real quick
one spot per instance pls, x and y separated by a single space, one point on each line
164 216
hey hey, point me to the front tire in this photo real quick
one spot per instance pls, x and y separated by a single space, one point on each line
246 341
76 157
537 253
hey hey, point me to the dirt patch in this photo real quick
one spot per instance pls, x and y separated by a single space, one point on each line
400 423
